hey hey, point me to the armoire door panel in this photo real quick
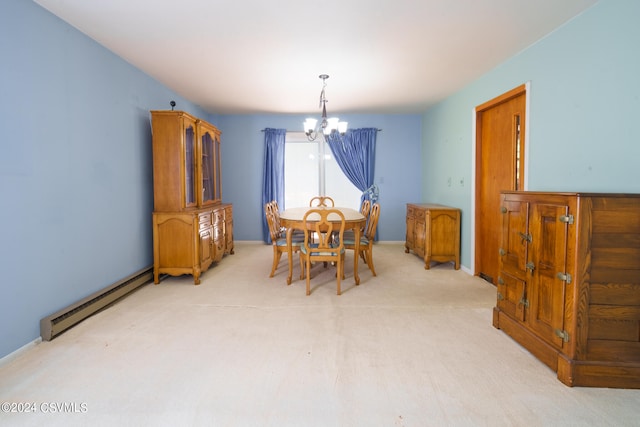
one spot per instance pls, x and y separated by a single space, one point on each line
549 251
512 297
515 235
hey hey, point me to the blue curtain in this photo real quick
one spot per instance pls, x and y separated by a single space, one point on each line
273 175
355 153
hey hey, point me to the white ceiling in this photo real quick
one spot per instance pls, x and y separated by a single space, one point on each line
257 56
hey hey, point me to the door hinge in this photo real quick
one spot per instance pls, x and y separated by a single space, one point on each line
525 237
566 219
530 266
564 335
524 302
564 276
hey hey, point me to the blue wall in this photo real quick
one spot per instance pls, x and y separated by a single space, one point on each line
75 168
584 103
397 168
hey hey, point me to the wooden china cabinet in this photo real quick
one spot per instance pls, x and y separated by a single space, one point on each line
569 283
192 228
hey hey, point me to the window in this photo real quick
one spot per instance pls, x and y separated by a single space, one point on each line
310 170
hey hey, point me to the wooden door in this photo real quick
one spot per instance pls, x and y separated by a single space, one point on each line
500 130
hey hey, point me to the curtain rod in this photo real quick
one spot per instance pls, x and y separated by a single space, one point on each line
262 130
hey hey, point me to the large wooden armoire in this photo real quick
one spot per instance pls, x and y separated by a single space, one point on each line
192 228
569 283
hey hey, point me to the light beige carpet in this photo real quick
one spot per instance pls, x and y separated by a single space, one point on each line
409 347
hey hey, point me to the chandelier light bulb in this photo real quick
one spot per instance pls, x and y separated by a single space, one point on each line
310 125
333 124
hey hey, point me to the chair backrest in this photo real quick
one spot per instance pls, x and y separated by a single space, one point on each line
325 223
365 208
272 221
321 201
372 224
276 212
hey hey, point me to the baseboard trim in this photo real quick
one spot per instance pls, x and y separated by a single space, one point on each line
15 354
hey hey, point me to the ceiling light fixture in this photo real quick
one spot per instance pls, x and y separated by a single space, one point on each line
327 126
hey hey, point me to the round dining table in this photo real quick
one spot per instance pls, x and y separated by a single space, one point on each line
292 219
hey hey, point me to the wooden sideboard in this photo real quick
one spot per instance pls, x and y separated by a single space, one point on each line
192 228
433 233
569 283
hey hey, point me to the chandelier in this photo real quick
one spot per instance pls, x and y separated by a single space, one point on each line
327 126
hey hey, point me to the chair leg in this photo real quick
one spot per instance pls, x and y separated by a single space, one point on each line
276 260
301 267
369 254
339 274
308 276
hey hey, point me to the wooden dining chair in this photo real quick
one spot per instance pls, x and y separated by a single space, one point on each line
278 236
273 205
365 210
317 221
367 238
325 201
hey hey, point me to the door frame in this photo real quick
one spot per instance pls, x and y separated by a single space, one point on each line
474 144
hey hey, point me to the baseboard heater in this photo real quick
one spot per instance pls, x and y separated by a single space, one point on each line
55 324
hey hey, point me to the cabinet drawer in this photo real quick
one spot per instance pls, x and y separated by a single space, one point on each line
204 219
218 216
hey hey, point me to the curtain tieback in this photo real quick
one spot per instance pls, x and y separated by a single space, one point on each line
372 193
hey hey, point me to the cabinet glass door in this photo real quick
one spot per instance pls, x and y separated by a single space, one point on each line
189 167
208 194
217 186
